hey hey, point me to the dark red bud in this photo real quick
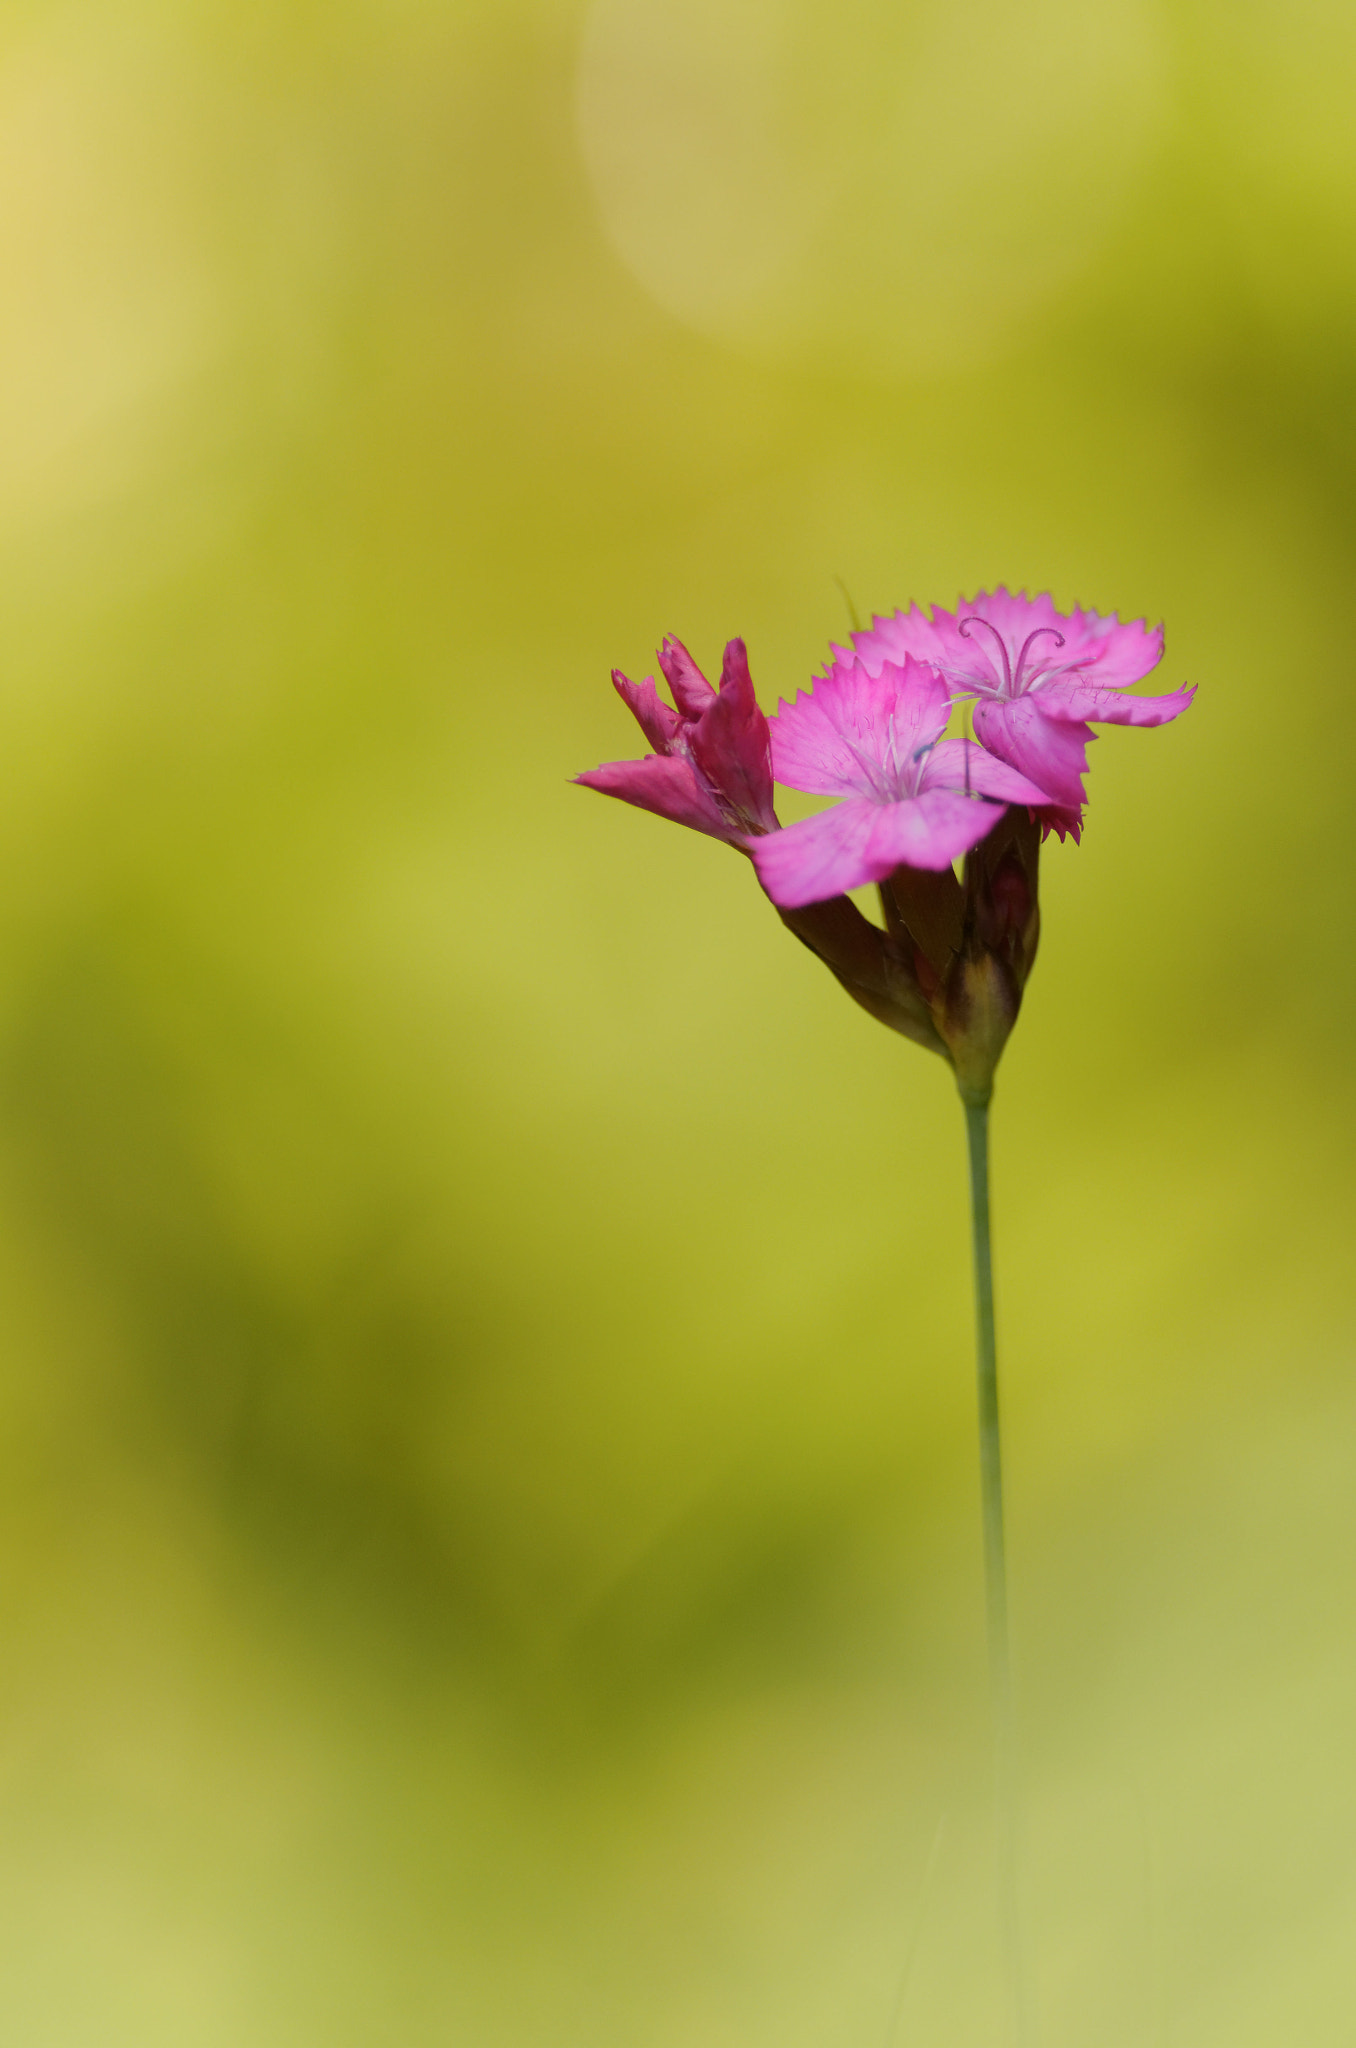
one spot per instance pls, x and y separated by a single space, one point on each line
1009 904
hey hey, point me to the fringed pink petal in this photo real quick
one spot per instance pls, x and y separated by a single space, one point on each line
1072 699
859 841
820 857
987 643
1067 823
1108 650
905 636
850 731
1048 751
1099 647
939 826
960 764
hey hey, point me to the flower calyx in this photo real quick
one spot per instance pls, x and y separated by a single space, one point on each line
972 943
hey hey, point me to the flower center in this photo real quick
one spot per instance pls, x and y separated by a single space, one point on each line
891 776
1015 680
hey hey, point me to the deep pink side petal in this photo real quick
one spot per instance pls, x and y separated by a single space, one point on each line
659 724
960 764
820 857
665 784
691 691
1069 698
1051 752
734 673
731 747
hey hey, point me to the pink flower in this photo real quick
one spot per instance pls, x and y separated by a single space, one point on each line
911 798
1040 676
711 767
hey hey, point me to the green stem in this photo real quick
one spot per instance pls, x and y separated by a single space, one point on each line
995 1574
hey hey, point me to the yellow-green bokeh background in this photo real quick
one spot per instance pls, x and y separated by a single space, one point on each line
489 1507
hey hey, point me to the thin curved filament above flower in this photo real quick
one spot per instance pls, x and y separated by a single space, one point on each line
1018 676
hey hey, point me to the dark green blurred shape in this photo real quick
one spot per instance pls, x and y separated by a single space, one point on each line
490 1516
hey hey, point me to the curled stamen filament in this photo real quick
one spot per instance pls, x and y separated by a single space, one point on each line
975 620
1012 678
1026 646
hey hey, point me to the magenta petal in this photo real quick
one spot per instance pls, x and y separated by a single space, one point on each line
1067 823
734 673
939 826
659 724
1095 644
848 735
960 764
1071 698
980 645
730 744
859 841
909 635
1049 751
691 691
809 751
820 857
1114 653
666 784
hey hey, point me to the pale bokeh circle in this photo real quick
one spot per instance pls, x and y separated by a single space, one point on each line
900 185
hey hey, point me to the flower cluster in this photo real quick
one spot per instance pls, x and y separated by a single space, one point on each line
949 966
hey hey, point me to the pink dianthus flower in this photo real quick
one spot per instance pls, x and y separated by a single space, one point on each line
910 798
1041 678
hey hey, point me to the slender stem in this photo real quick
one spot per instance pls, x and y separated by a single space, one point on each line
995 1576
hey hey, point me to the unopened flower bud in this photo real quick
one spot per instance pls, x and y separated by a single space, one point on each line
973 943
869 964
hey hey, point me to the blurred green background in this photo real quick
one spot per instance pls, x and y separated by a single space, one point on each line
489 1505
